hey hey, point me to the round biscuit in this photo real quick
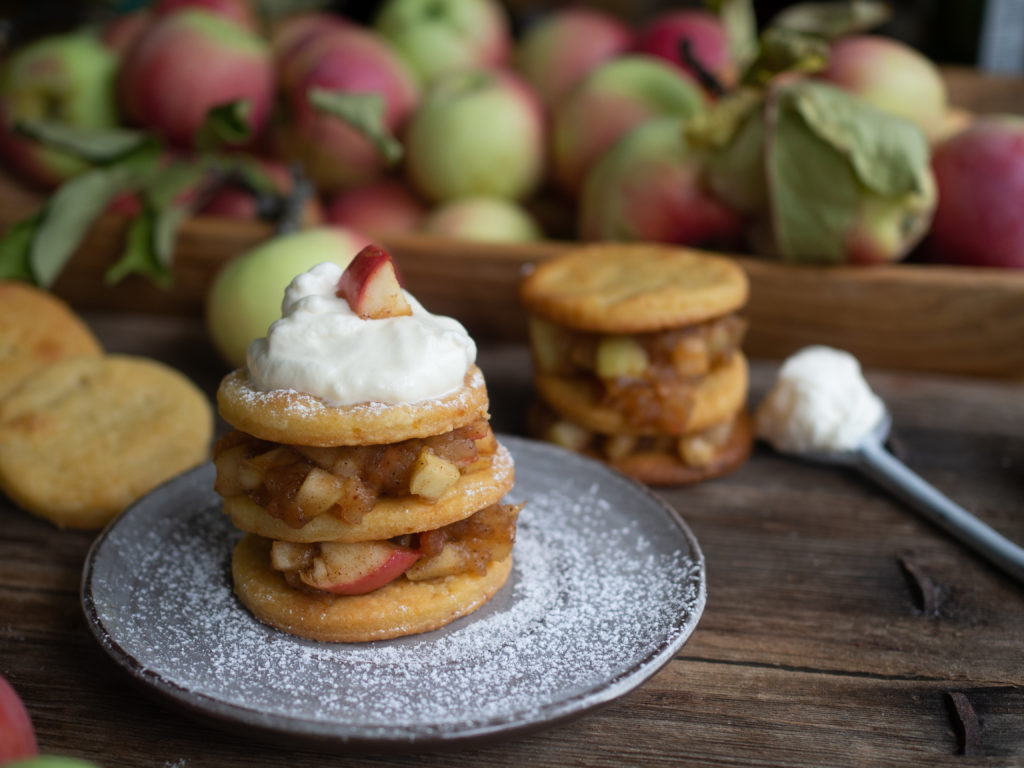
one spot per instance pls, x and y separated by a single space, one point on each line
37 329
717 396
400 608
390 516
83 438
633 288
287 416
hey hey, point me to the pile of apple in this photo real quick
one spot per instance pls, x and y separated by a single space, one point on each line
435 119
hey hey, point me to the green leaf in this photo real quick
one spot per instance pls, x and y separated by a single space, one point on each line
69 214
717 126
784 50
365 113
138 255
14 249
889 154
832 20
226 125
740 24
100 146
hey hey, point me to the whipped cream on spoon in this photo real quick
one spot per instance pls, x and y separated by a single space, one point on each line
822 410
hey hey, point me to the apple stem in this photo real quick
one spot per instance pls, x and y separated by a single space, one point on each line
708 81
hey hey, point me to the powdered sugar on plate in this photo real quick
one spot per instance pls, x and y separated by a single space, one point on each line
608 583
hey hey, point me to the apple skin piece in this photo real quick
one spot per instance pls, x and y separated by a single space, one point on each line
19 740
358 567
370 286
245 297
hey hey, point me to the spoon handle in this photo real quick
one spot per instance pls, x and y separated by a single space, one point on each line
891 473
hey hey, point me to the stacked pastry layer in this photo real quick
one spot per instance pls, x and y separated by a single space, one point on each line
637 359
367 521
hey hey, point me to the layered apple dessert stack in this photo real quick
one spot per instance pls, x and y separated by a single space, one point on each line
362 465
637 359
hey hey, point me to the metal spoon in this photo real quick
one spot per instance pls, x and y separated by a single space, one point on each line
874 461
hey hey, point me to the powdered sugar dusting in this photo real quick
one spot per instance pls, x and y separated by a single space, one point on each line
605 583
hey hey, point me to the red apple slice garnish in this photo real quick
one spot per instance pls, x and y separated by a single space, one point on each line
370 286
359 567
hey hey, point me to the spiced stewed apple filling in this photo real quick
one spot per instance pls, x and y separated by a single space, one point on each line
466 546
644 376
296 483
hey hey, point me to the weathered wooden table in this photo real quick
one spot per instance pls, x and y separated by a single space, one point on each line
840 628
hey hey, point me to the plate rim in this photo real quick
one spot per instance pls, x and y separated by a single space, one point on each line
325 733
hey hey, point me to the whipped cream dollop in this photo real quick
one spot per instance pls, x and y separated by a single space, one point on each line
323 348
820 402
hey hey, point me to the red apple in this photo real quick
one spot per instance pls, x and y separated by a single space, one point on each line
370 286
648 187
238 11
232 201
359 567
666 32
438 37
121 34
613 99
189 62
64 78
387 205
19 740
294 35
478 132
891 76
563 46
346 60
980 175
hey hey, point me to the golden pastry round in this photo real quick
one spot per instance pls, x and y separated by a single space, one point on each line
400 608
717 396
287 416
37 329
83 438
666 468
390 516
633 288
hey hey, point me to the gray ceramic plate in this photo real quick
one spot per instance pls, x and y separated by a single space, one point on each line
608 584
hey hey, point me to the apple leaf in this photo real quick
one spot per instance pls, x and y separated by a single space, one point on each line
740 24
92 145
830 159
225 125
14 249
832 20
365 113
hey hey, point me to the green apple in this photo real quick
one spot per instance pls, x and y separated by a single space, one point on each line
64 78
492 219
246 294
478 132
440 36
51 761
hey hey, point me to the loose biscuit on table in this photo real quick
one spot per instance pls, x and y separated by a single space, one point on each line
297 418
37 329
400 608
625 288
83 438
391 516
716 396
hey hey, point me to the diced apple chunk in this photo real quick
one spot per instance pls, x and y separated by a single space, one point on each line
568 435
696 451
319 492
370 286
289 556
619 446
620 356
431 476
450 560
690 356
325 458
358 567
232 480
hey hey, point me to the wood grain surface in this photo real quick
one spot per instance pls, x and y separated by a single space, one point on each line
840 628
